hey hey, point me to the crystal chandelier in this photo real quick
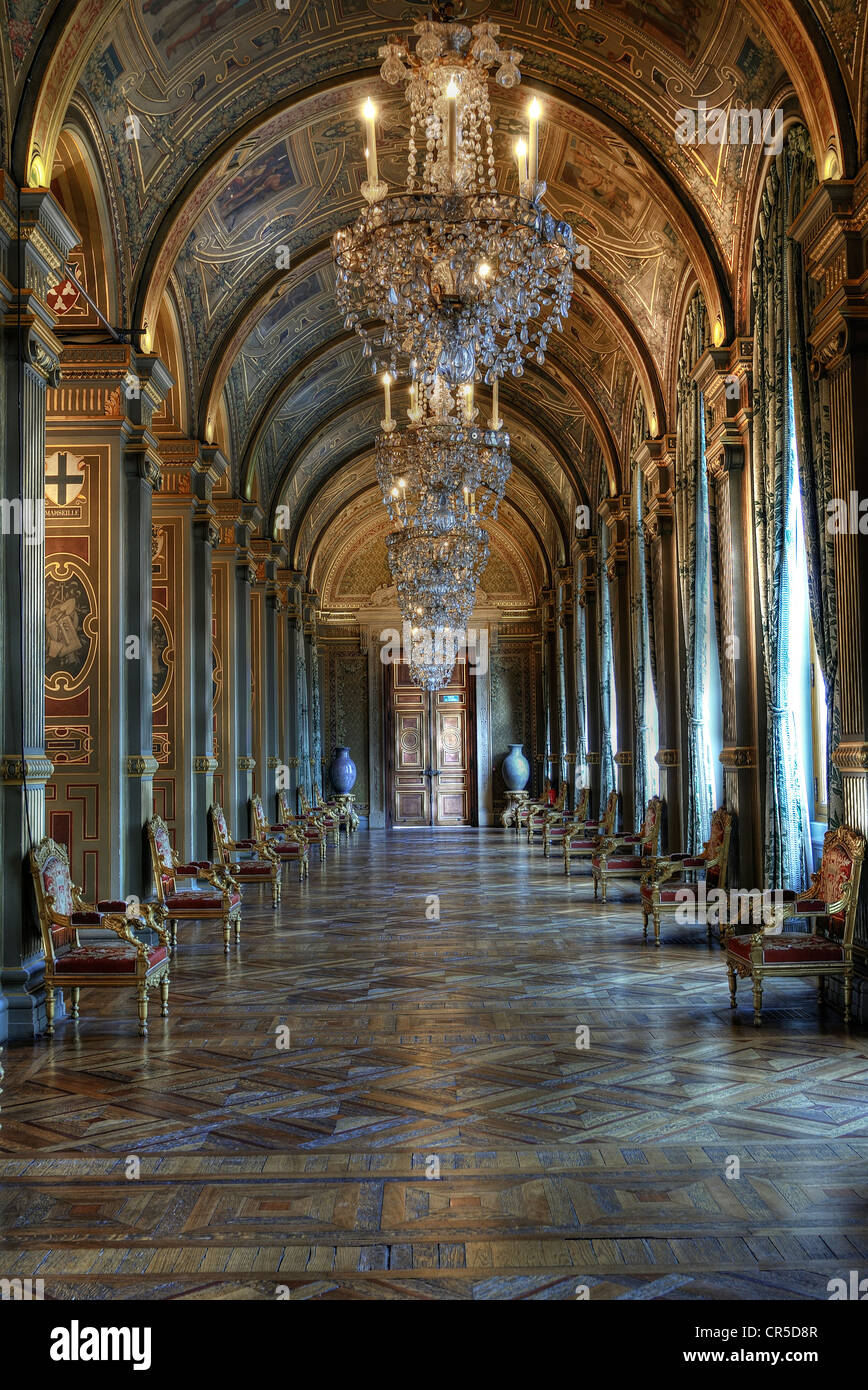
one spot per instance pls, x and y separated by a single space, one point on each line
444 469
467 281
437 573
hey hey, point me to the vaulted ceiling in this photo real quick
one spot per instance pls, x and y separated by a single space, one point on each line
229 131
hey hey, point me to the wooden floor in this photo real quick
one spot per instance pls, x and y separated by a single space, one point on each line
416 1045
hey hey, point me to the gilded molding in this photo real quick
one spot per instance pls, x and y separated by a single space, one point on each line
666 757
623 759
18 770
272 762
246 764
141 766
592 759
204 763
734 759
851 757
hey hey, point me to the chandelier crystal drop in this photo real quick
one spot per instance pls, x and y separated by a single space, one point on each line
468 281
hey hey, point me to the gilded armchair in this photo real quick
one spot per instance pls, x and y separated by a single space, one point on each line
829 902
583 838
340 806
286 841
254 863
537 812
123 961
662 897
626 856
221 904
556 822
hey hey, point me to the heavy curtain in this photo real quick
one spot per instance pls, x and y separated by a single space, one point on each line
692 535
302 714
643 780
608 781
813 447
787 835
316 723
579 648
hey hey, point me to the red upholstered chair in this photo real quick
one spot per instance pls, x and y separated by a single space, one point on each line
220 903
538 812
120 961
286 841
626 856
830 902
556 822
308 823
583 838
256 863
661 896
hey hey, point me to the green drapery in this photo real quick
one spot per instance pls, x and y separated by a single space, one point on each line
786 831
316 753
692 534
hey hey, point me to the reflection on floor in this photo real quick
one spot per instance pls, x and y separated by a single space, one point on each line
420 1047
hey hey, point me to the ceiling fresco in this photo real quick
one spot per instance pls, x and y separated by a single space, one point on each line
234 149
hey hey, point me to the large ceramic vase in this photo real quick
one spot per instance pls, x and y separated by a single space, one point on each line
515 769
343 771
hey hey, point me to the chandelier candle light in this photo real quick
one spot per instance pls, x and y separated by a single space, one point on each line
410 275
450 282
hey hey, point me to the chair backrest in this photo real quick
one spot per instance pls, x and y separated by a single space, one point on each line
717 847
841 864
561 799
162 858
257 815
582 800
284 814
220 833
55 903
651 826
303 802
607 825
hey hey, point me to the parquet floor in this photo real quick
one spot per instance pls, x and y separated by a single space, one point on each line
432 1129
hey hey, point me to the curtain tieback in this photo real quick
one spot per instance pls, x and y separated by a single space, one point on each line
779 710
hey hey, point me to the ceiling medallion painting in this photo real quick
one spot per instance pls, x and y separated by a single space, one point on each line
458 283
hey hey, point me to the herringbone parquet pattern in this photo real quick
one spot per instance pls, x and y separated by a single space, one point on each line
429 1127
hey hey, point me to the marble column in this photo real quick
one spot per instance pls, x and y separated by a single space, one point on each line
723 375
133 684
33 251
656 458
245 577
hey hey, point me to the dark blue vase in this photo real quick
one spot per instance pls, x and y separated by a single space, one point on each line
342 771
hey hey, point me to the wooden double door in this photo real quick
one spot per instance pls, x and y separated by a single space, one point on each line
429 738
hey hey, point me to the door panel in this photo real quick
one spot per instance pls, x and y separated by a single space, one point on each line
430 734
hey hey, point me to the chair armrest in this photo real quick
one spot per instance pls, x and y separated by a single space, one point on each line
660 868
119 925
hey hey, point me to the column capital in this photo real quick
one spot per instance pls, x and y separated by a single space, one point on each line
832 228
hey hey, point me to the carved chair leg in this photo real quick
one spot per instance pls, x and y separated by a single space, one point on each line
757 1001
733 984
848 995
142 997
275 890
644 924
322 849
75 994
49 1011
238 929
227 935
567 870
603 888
656 927
164 997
